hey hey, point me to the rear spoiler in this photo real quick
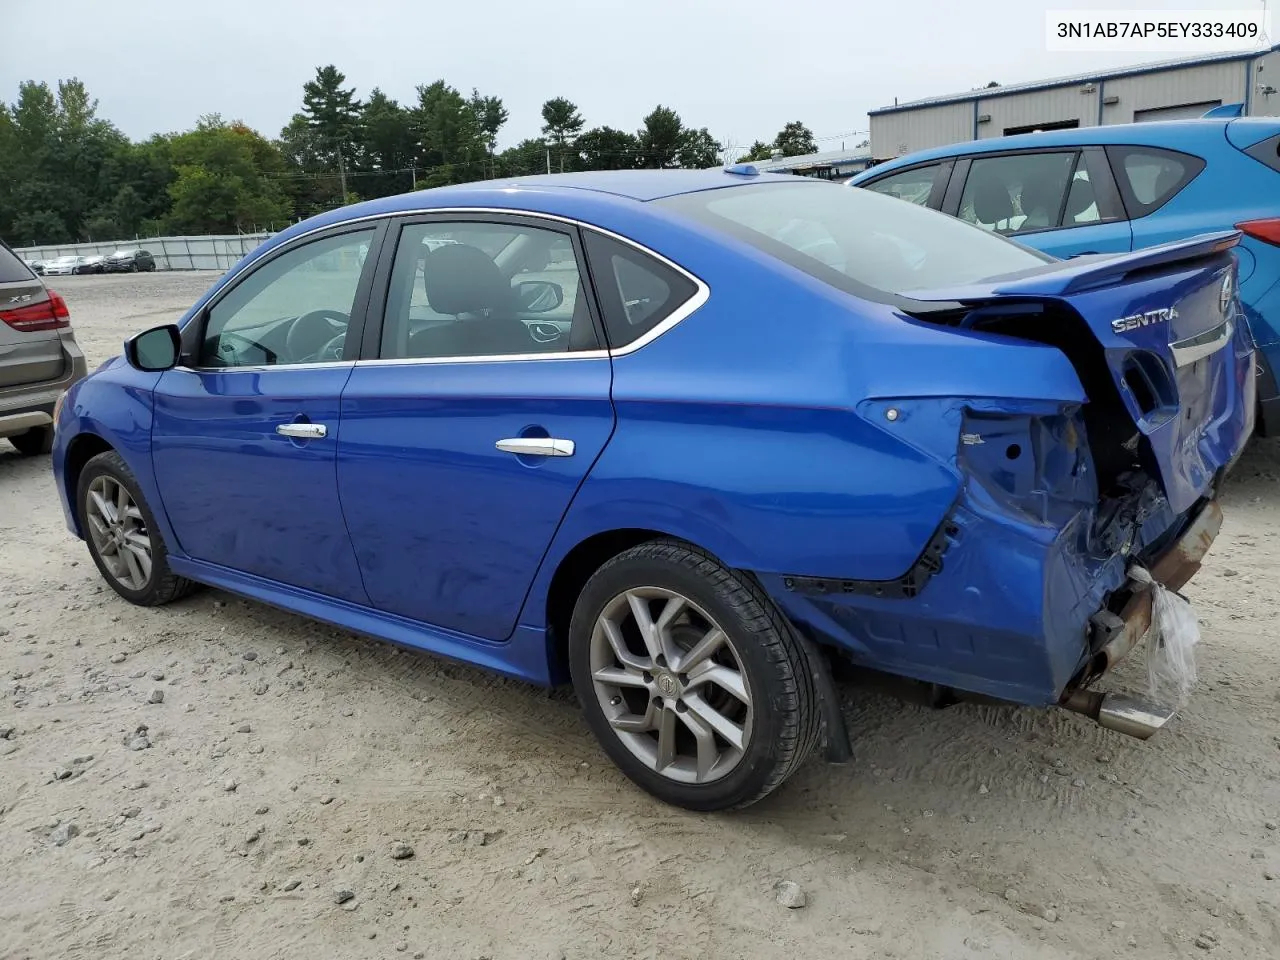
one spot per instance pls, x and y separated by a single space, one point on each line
1066 277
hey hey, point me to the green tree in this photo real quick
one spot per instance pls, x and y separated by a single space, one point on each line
227 180
604 148
490 116
758 151
452 146
661 139
333 113
388 146
56 156
561 121
524 159
698 150
795 139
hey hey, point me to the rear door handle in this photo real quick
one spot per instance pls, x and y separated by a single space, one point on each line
536 447
302 431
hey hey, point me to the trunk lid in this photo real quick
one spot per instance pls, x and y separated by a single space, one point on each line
1158 339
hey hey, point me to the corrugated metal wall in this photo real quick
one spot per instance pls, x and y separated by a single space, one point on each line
1039 106
895 134
1262 104
905 131
171 253
1223 82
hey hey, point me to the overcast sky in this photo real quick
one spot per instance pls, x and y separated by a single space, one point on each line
742 68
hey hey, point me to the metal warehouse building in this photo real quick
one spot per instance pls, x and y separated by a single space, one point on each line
1245 84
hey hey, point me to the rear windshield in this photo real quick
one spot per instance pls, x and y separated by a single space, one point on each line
12 268
859 241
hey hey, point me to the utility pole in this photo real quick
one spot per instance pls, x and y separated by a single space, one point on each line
342 176
548 159
413 171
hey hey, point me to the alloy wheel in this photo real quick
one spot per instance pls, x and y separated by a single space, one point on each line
119 532
671 684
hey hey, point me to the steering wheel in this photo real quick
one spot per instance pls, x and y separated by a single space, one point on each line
318 335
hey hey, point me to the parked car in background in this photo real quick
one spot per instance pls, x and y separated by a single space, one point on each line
1111 189
64 266
36 266
39 356
93 263
678 437
130 260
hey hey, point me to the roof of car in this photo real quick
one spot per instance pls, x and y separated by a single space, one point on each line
1166 133
564 194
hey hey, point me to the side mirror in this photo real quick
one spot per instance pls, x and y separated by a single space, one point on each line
154 350
539 296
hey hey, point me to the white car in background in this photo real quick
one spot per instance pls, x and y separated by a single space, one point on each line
64 266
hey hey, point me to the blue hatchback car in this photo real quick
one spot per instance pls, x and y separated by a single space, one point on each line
679 437
1109 189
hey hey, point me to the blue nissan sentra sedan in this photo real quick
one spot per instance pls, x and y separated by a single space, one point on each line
679 438
1122 187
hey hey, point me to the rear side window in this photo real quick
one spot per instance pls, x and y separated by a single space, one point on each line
914 185
12 269
637 292
1019 193
1149 177
1267 152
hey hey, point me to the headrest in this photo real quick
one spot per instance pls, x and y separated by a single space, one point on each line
463 279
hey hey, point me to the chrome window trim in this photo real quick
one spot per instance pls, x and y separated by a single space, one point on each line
267 367
702 291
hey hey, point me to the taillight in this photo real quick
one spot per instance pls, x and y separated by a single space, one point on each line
51 314
1268 231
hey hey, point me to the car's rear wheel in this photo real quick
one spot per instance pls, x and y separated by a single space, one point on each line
35 442
122 535
690 678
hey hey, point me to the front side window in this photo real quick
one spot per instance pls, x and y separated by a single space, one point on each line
1017 194
913 185
858 241
485 289
293 309
1150 177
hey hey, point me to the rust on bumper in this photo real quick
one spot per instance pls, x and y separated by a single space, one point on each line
1176 566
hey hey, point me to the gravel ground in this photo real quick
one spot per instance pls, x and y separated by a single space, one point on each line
302 792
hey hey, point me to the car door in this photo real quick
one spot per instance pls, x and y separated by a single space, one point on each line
1061 201
479 406
245 433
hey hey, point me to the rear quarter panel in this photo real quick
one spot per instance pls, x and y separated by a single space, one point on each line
739 429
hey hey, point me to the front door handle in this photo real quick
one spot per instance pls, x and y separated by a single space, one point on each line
302 431
536 447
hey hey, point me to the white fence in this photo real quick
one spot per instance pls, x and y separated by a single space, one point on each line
171 253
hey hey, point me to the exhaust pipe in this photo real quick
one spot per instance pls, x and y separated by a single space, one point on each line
1116 711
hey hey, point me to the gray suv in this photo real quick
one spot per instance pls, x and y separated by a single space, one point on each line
39 356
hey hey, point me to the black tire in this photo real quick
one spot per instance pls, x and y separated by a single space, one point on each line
133 267
163 586
786 723
36 442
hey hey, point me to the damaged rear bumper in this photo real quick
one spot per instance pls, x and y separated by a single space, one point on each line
1011 611
1114 635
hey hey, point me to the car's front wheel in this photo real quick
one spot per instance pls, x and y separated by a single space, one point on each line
122 535
690 678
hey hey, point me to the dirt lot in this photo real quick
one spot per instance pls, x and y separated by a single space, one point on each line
287 759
